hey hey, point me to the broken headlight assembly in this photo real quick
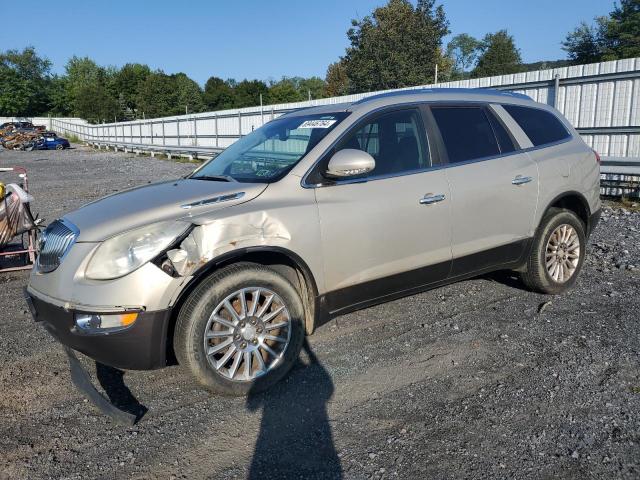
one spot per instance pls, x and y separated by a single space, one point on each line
124 253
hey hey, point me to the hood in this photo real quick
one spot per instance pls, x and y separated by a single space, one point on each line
157 202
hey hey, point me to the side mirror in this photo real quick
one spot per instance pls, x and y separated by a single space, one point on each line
349 163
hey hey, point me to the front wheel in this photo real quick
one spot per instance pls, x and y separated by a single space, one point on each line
240 330
557 253
59 147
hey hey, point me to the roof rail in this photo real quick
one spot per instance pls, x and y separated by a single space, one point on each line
414 91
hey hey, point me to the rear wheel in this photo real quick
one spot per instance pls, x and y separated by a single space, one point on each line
557 253
241 329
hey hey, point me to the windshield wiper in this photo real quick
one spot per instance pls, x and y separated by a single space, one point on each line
215 178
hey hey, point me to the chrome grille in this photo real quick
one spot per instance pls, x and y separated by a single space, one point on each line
55 242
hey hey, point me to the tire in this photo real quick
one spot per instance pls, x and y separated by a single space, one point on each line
554 263
221 369
59 147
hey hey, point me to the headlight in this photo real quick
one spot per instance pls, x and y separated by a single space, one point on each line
126 252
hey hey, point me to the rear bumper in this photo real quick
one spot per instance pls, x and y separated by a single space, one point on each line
594 218
142 346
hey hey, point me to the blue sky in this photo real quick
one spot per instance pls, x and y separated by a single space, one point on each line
264 39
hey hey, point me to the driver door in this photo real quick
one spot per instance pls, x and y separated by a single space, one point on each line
387 233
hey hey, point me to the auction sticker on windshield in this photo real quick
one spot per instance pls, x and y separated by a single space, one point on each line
317 124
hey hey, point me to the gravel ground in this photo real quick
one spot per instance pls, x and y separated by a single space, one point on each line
480 379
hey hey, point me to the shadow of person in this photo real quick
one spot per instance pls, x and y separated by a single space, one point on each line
295 439
111 380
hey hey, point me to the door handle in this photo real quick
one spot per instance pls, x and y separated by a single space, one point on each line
429 199
520 180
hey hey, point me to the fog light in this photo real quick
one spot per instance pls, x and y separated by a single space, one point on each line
93 322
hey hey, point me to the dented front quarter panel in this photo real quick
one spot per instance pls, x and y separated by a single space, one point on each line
285 216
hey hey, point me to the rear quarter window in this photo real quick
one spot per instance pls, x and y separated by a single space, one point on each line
540 126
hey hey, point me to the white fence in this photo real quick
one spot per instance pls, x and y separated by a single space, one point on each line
602 100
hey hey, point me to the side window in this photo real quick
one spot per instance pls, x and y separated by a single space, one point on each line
396 141
541 127
505 141
466 132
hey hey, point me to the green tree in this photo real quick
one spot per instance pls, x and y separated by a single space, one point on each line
312 86
59 103
158 96
584 44
463 50
24 83
94 103
499 56
90 90
284 90
247 93
189 95
398 45
608 38
337 80
622 32
218 94
126 83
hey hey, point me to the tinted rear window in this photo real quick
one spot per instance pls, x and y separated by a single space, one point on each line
541 127
466 132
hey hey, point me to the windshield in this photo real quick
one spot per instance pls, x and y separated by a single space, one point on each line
268 153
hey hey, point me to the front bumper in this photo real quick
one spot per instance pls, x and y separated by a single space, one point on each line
142 346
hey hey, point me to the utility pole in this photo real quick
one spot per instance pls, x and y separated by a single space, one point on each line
436 76
186 109
261 111
309 92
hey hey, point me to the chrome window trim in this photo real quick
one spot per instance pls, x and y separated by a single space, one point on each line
502 155
552 144
304 184
351 181
432 168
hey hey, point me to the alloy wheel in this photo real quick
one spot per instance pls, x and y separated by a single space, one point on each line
247 334
562 253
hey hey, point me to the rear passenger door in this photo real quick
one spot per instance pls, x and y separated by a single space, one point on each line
494 187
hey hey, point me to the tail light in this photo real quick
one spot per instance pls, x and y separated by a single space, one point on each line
598 161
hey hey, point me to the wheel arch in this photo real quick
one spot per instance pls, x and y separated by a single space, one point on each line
575 202
286 262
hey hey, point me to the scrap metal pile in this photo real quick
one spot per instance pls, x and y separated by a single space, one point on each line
26 136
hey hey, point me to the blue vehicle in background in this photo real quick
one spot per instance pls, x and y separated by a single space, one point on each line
50 141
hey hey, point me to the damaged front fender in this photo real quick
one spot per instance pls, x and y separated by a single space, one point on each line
208 241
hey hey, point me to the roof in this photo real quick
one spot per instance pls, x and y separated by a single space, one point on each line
453 92
418 95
